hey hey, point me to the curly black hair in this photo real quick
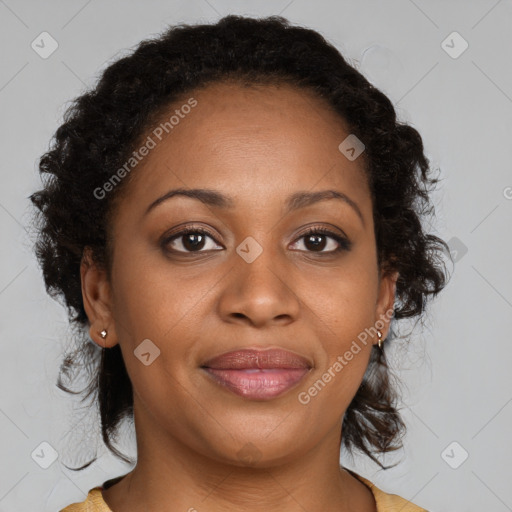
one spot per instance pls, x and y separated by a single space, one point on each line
103 126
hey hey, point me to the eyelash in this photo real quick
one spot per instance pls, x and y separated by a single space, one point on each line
344 243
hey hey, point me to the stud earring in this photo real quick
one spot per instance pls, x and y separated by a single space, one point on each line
381 342
103 333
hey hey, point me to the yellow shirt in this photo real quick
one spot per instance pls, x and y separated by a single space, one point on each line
385 502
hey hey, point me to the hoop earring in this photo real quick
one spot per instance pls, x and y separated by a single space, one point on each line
381 341
103 333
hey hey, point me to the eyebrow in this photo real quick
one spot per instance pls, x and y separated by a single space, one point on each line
294 202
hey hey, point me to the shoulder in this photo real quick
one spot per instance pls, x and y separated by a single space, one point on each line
93 503
389 502
385 502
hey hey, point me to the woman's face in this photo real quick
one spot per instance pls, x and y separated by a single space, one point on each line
253 281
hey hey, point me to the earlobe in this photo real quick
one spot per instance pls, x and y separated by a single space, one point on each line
96 296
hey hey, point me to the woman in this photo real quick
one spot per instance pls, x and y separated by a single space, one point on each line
233 215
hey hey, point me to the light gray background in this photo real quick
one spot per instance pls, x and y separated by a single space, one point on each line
457 378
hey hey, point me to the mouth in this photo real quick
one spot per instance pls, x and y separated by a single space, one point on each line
256 374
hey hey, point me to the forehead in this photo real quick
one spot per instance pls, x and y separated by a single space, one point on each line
264 140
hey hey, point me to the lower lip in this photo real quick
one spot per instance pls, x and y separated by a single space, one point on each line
259 384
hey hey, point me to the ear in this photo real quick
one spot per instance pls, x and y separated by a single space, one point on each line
385 301
97 299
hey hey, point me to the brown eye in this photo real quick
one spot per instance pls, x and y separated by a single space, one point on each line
190 240
196 240
315 240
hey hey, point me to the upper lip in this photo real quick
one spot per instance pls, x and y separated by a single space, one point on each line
257 358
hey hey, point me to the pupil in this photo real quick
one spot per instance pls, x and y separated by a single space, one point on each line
196 243
316 243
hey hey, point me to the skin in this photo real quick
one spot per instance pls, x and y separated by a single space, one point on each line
258 145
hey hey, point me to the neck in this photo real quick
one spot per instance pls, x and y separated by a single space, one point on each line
186 478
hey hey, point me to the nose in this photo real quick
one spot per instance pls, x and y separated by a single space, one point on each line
260 292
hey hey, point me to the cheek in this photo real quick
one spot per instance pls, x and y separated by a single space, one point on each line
344 302
150 297
343 330
344 310
166 306
153 316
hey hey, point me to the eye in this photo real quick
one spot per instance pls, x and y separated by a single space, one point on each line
191 240
313 240
194 239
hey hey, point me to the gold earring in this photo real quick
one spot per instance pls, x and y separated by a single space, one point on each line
103 333
379 334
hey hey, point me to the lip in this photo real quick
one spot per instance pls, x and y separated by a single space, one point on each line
258 374
258 384
250 358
